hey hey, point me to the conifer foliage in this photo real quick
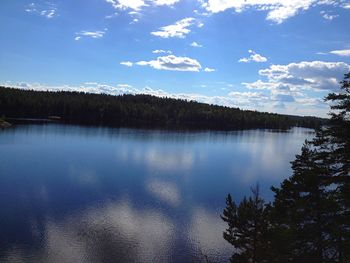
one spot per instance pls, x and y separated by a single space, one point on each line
247 227
309 218
139 111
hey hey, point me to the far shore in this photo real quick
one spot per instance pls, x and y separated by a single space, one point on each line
4 124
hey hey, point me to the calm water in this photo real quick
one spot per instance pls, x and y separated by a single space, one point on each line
77 194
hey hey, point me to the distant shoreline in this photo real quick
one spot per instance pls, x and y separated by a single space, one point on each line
4 124
138 111
31 121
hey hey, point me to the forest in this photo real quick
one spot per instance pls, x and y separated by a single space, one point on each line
139 111
309 218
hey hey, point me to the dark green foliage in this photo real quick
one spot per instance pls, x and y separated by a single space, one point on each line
139 110
303 211
247 228
339 137
309 219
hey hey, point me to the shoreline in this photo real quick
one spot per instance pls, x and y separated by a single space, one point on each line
4 124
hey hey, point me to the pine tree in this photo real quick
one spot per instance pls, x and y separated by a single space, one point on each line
309 220
303 210
339 137
247 228
311 211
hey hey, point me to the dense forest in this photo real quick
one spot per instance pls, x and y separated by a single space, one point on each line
138 111
309 218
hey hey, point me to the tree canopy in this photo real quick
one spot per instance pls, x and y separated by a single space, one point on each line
309 218
139 110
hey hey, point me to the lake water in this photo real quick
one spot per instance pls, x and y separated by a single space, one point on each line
85 194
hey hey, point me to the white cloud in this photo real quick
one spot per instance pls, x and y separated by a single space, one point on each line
322 53
277 10
172 62
343 52
90 34
111 16
135 13
253 57
126 63
328 16
161 51
180 29
134 21
195 44
47 10
288 86
209 69
127 4
317 75
164 2
137 5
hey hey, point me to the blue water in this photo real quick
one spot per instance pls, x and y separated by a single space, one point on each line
86 194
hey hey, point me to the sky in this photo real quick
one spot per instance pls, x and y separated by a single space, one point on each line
280 56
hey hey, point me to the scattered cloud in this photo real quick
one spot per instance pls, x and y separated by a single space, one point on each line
90 34
195 44
137 5
209 69
47 10
112 15
172 62
288 87
127 4
164 2
253 57
343 52
134 21
161 51
134 13
200 24
328 16
180 29
314 75
126 63
135 16
277 10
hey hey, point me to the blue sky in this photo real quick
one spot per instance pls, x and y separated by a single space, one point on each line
266 55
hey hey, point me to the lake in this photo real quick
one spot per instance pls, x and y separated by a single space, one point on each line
90 194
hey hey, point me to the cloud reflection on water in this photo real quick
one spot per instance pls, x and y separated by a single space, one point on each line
114 232
206 231
167 159
267 154
165 191
128 195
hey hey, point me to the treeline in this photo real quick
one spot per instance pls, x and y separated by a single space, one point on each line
309 218
139 110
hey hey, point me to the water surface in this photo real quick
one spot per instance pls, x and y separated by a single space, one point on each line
84 194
